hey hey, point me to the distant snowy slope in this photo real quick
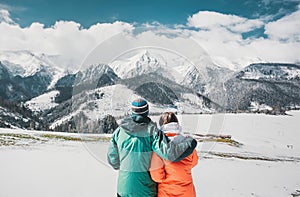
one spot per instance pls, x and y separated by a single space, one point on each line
43 102
9 119
277 86
271 71
15 116
94 105
235 64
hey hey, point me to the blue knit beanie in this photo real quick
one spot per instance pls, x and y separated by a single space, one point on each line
140 107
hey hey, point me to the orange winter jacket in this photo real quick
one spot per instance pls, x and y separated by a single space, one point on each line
174 178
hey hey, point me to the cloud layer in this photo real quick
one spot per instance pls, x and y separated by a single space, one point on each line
219 34
209 20
286 29
65 38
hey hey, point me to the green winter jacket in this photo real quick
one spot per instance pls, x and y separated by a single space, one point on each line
130 152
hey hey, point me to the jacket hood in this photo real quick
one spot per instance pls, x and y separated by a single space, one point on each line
135 123
174 132
172 127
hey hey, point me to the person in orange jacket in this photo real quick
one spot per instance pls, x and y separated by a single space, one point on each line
173 178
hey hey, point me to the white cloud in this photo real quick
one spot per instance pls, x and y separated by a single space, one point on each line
66 38
163 41
5 17
218 34
211 20
268 2
286 28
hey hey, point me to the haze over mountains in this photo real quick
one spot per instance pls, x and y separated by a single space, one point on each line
38 93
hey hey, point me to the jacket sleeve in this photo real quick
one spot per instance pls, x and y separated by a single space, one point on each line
157 169
172 151
113 152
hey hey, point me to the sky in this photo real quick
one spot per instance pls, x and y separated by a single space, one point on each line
232 32
90 12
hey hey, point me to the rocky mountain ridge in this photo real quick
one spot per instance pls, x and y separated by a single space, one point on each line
92 93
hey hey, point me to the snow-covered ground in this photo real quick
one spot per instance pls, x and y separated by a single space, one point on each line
264 162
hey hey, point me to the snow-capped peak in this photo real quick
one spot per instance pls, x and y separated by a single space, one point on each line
92 73
26 63
141 63
23 63
145 57
166 63
95 69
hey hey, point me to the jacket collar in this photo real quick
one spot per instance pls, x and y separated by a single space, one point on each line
172 127
173 132
135 123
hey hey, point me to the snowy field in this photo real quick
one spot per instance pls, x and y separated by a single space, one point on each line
261 159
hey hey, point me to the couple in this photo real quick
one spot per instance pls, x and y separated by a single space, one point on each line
152 162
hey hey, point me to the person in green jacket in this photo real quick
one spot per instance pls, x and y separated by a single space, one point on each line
131 147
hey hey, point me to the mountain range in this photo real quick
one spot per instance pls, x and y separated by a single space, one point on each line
41 95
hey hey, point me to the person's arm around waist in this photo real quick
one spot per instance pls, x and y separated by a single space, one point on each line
157 168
